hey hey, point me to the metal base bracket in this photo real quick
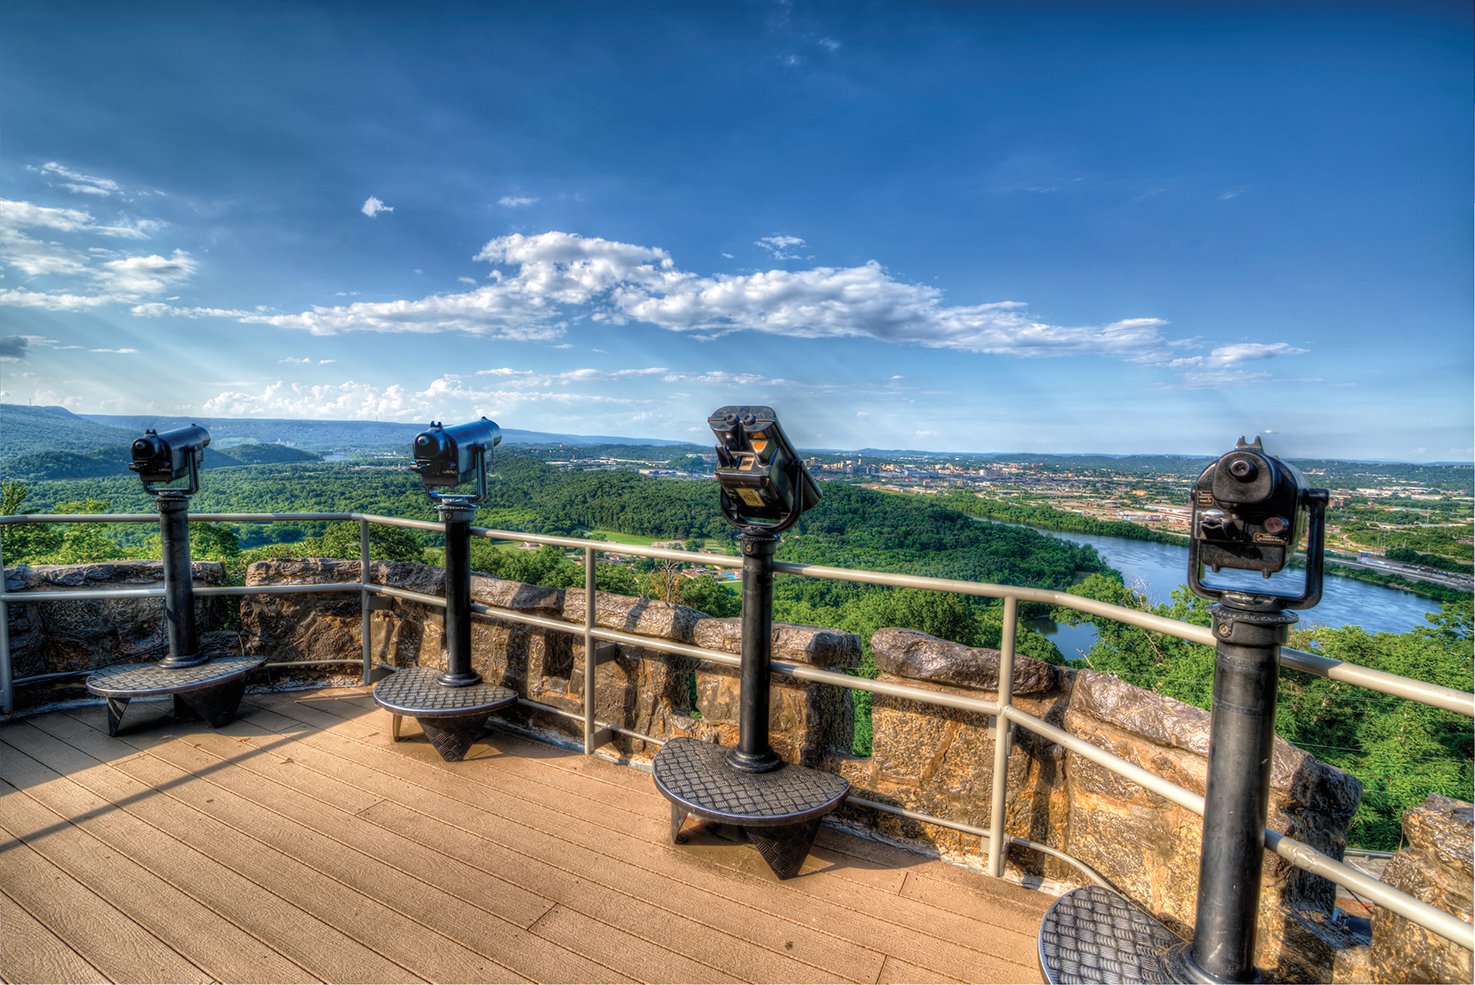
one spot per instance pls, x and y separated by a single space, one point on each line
1096 935
453 737
211 691
452 718
779 811
785 848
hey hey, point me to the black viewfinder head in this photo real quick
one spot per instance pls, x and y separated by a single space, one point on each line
1250 511
163 458
764 483
445 457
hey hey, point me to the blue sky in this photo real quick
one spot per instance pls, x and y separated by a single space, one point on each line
991 227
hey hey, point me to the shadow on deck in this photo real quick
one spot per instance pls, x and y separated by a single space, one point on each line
300 844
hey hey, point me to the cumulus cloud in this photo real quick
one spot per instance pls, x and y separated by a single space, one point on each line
147 274
372 207
517 201
780 247
539 283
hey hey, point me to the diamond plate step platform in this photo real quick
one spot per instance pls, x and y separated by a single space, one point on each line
452 718
779 810
210 691
1096 935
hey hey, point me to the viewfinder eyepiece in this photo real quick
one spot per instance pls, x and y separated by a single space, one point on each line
764 483
163 458
445 457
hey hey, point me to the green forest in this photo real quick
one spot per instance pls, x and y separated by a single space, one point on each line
1401 751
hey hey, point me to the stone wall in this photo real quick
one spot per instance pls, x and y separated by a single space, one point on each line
1437 866
940 762
51 637
651 696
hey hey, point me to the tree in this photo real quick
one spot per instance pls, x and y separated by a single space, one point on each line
706 594
84 542
24 542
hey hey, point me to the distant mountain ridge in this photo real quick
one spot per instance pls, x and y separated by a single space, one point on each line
54 443
338 437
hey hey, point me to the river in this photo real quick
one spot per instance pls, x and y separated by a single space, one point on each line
1156 569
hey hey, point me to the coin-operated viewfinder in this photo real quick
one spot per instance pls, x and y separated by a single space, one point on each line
1250 511
160 459
764 483
445 457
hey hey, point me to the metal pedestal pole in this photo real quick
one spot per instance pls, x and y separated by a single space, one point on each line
777 805
753 754
451 707
202 688
179 590
1092 934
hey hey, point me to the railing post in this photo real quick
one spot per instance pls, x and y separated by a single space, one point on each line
589 654
7 683
365 611
998 844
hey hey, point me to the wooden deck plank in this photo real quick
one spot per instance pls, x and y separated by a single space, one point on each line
557 857
627 802
455 940
498 816
328 806
29 952
639 958
97 844
958 889
111 942
203 854
855 913
643 921
538 854
742 877
898 972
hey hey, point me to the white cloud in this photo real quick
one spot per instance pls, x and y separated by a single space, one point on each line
445 397
541 282
1239 352
372 207
468 281
517 201
147 274
529 378
76 181
52 302
15 215
124 352
779 247
296 361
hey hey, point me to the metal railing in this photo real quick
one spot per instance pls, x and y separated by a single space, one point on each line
1004 712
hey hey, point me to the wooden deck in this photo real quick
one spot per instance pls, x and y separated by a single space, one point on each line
299 844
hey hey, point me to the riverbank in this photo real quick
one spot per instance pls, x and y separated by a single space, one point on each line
1051 520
